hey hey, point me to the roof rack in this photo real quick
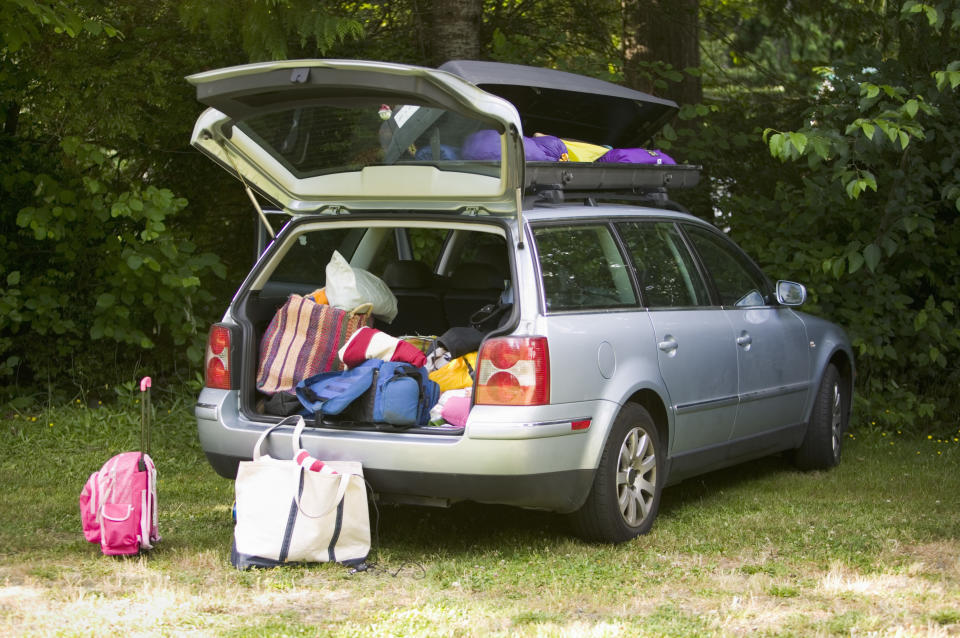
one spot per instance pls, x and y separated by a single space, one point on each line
556 182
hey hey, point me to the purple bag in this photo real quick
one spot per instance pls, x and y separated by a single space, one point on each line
446 153
485 145
482 145
636 156
552 147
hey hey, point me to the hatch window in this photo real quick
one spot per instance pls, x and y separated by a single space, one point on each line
321 139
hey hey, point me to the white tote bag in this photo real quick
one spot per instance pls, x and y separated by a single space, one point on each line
287 513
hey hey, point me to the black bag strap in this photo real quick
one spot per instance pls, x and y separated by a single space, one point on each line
482 318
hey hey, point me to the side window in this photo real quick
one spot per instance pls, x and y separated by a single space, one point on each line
582 268
426 243
665 269
738 281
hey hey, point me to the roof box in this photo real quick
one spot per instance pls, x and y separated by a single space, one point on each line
569 105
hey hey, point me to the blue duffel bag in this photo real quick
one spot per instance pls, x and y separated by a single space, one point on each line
376 391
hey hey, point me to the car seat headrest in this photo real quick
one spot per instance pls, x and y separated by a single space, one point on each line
407 274
476 276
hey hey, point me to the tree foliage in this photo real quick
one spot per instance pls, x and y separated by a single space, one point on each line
272 29
863 203
94 269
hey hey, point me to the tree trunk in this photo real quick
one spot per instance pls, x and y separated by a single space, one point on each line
11 118
657 33
456 30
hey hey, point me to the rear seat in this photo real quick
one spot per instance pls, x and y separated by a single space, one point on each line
419 302
472 286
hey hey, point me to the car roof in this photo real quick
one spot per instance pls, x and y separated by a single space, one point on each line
578 210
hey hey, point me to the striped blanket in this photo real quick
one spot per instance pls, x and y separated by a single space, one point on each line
302 340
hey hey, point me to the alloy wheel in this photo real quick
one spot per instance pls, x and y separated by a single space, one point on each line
836 419
636 476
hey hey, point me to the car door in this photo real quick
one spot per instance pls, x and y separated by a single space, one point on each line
695 349
771 341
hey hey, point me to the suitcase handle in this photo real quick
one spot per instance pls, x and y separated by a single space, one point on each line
145 384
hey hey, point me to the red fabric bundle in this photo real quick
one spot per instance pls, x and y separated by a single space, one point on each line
370 343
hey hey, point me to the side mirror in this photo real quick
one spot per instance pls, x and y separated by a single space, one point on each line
790 293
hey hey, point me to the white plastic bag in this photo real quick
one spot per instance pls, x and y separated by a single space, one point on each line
348 287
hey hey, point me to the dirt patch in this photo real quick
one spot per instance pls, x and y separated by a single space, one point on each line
941 558
915 595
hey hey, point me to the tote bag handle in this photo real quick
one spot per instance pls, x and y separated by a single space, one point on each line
342 486
344 482
362 309
263 437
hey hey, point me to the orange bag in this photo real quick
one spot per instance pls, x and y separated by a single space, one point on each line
320 296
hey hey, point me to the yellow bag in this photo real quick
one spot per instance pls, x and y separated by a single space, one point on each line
583 151
456 374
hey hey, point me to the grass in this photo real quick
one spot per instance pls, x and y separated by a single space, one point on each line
870 548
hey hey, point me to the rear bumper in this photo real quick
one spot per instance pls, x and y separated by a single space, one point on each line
525 456
561 492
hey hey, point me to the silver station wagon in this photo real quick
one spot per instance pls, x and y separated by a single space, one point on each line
632 344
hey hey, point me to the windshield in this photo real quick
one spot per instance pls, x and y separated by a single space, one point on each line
320 139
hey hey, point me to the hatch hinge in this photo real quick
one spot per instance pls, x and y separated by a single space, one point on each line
335 210
259 209
246 187
471 211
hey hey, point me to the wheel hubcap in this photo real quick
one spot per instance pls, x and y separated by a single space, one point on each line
836 419
636 476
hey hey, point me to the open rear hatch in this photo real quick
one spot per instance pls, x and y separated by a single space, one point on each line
318 135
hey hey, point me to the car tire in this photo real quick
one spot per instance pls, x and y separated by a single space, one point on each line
625 495
820 449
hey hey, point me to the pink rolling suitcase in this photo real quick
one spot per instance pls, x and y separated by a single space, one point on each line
118 504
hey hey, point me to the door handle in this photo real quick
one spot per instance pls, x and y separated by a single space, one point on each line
744 340
668 345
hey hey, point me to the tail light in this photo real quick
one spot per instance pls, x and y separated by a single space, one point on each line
513 371
217 362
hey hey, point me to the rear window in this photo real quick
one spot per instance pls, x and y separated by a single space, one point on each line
402 244
320 139
582 268
307 256
665 268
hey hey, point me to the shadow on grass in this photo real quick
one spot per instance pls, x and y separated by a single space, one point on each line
710 487
472 527
466 527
